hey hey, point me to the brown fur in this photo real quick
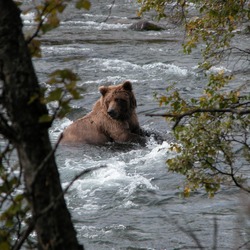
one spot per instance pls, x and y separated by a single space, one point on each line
113 118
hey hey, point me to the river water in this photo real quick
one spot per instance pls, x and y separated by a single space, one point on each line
134 202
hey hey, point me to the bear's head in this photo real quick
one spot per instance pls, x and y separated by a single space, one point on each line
119 101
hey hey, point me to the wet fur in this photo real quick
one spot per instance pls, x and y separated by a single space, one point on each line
113 118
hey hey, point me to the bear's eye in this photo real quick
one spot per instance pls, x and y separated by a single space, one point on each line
121 101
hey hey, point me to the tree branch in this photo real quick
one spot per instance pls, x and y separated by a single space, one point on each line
178 117
31 226
24 235
39 26
53 204
247 51
110 10
6 130
232 172
86 171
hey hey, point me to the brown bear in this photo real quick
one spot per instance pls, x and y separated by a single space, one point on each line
112 119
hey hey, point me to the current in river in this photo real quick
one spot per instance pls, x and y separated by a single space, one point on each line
134 202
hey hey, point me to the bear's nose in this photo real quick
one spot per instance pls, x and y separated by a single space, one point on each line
112 113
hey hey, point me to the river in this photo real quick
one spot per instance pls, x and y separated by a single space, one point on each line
134 202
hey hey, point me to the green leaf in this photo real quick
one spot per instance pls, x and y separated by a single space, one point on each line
54 95
45 119
35 48
83 4
19 198
18 3
61 8
52 23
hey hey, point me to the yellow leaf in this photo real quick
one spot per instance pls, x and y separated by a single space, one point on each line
83 4
4 246
186 191
231 18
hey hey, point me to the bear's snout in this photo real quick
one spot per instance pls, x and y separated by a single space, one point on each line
112 113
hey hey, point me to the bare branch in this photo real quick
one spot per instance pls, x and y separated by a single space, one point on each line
110 10
24 235
246 51
243 246
239 185
232 172
6 130
31 226
215 234
189 232
86 171
53 204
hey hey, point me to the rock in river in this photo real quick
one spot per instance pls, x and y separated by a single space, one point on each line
145 26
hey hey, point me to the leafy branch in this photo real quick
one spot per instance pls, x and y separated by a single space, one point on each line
35 217
191 112
16 226
47 19
42 16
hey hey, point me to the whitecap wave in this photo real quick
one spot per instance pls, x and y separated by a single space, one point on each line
123 176
166 68
158 68
114 64
64 49
58 127
92 25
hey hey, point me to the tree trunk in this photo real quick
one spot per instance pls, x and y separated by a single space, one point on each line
21 99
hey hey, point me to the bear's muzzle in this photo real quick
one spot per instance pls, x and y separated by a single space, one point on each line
113 114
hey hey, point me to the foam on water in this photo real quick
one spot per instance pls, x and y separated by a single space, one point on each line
114 64
156 68
214 69
111 79
124 175
124 205
92 25
58 127
28 18
166 68
64 50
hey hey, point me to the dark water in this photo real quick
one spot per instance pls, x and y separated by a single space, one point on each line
134 202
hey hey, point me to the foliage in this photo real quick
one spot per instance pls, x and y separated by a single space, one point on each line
15 223
15 210
213 130
62 82
63 87
47 18
214 137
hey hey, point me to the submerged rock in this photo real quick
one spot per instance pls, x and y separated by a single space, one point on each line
145 26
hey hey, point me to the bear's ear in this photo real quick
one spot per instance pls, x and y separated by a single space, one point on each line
103 90
127 86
